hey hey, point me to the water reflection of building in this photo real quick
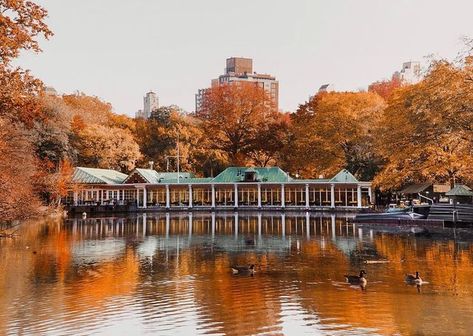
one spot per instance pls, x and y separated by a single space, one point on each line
165 287
234 188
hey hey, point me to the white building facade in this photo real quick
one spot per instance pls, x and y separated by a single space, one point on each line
150 104
409 74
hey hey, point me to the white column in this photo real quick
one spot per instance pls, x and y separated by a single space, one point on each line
236 195
358 196
75 197
283 196
307 205
190 196
370 196
168 197
259 195
213 196
145 198
332 196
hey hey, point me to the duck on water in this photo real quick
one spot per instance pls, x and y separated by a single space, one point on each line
412 279
357 279
250 269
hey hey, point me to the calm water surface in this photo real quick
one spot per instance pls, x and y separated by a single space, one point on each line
169 275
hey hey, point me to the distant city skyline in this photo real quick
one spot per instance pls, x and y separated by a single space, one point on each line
126 49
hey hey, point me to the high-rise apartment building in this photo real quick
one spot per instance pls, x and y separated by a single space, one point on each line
238 70
410 73
150 104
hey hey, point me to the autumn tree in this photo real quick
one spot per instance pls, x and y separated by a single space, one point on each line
334 131
91 110
22 23
107 147
233 115
266 149
385 88
17 171
427 131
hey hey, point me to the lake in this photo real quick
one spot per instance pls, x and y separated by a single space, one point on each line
169 274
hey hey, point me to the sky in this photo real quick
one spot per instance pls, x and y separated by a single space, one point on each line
118 50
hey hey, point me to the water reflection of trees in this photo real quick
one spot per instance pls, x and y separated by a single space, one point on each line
167 264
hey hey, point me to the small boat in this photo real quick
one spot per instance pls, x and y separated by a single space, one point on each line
388 215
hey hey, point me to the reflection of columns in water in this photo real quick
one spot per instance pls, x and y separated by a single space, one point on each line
213 225
371 235
283 224
360 233
137 225
168 219
177 252
307 224
190 224
144 225
236 224
332 218
354 229
259 225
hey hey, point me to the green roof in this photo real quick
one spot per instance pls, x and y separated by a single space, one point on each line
97 176
459 190
229 175
263 174
189 180
344 176
152 176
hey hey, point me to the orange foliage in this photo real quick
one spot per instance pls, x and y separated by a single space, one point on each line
333 131
385 88
233 115
17 169
426 131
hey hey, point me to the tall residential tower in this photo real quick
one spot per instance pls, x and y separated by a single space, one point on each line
150 104
237 70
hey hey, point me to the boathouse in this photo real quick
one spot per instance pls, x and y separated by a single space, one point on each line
234 188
